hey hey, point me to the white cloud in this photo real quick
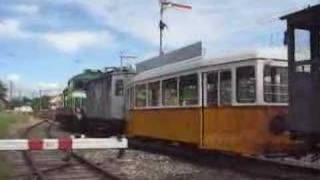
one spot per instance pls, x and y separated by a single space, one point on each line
50 89
25 9
49 86
66 41
11 28
216 24
13 77
70 42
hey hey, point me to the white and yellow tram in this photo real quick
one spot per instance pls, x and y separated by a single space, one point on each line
232 104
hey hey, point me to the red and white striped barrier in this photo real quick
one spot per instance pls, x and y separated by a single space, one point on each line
63 144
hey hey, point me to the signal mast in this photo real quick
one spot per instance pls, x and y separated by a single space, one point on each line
164 4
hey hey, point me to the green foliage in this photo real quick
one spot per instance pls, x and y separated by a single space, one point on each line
16 102
6 120
25 101
3 90
36 105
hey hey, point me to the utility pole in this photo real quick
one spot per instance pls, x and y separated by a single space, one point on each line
162 25
163 5
124 57
20 95
40 100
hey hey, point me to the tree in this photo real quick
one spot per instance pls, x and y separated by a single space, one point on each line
16 102
26 101
44 103
3 90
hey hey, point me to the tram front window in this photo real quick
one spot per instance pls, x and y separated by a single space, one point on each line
275 83
153 93
188 87
246 84
170 92
225 88
212 88
141 95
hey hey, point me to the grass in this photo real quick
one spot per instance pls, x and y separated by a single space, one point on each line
6 120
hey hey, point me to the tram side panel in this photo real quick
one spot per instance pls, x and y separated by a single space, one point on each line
245 130
174 124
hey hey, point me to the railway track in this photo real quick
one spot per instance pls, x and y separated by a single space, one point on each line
46 165
256 167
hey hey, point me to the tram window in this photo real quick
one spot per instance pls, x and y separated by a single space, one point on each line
188 90
153 93
302 45
212 88
170 92
246 84
275 83
225 88
119 88
141 95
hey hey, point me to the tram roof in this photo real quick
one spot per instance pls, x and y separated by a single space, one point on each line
198 63
307 17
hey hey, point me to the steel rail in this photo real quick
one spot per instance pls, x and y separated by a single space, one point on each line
27 155
83 160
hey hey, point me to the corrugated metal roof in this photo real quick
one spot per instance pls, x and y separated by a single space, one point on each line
200 63
185 53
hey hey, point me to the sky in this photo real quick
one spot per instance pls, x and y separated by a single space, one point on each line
45 42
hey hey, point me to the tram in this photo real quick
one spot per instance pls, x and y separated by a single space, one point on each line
233 104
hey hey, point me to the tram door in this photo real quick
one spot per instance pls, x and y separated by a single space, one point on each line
217 90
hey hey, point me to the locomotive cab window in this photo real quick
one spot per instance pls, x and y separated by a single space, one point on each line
131 97
127 98
119 88
302 45
275 83
188 90
170 92
154 94
212 88
246 84
141 95
225 87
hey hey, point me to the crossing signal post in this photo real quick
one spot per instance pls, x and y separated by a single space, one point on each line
164 4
